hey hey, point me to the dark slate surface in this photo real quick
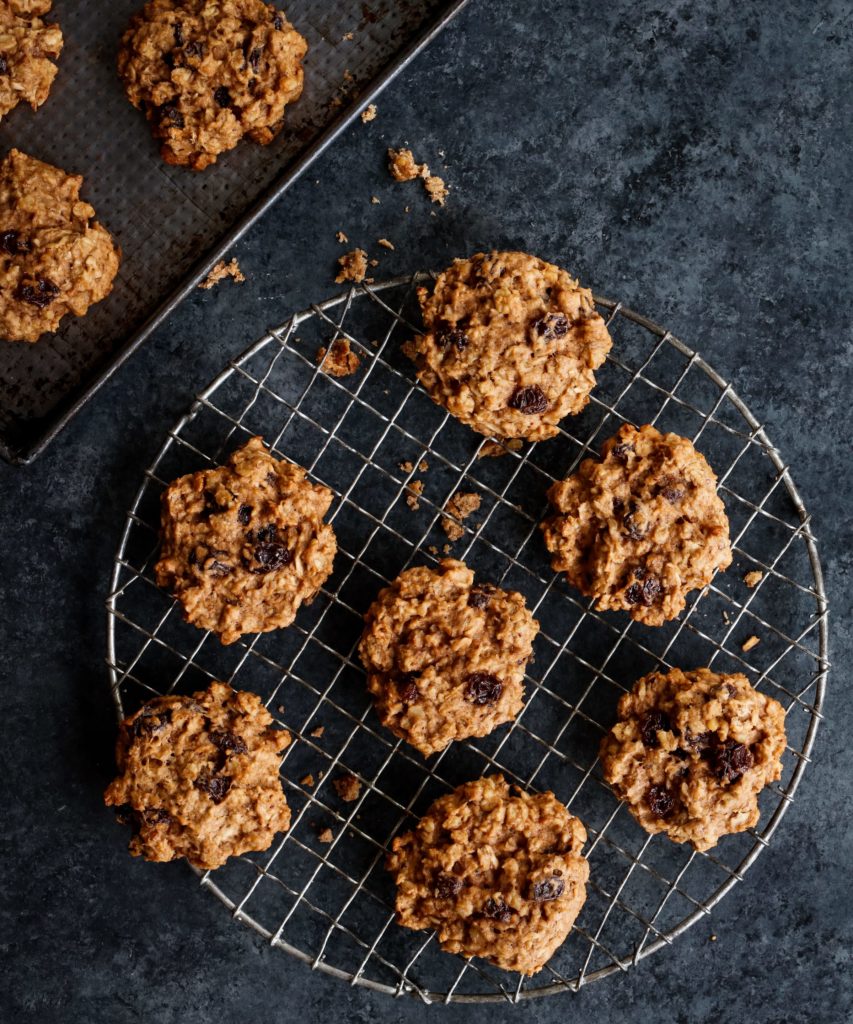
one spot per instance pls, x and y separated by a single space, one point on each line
693 159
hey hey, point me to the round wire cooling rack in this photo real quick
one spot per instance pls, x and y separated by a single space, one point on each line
393 459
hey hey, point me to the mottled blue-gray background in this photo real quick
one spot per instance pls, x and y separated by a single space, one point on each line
693 159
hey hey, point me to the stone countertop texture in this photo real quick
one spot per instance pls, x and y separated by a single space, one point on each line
694 159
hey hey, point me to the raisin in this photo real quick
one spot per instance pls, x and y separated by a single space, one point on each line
699 741
651 723
168 60
529 400
550 889
216 786
150 719
447 886
483 688
497 910
272 479
672 494
252 57
217 568
554 325
730 760
620 451
244 514
634 594
222 96
635 532
227 742
194 49
277 21
270 556
618 506
263 535
660 802
39 291
12 243
151 816
651 590
171 113
481 595
4 65
178 30
446 335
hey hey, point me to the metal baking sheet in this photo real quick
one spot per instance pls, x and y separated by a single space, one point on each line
173 223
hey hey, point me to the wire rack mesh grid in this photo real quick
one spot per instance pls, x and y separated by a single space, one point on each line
321 892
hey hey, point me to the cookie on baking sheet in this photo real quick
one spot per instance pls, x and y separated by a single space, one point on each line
497 872
54 259
641 527
445 657
198 777
244 545
510 344
208 72
691 751
28 49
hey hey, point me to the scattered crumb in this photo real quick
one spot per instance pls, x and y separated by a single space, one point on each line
433 550
406 467
348 76
375 344
417 489
335 101
341 361
221 271
353 266
713 938
347 787
749 643
726 619
326 836
494 449
403 166
460 506
436 189
341 237
407 209
369 113
318 732
752 579
446 549
307 781
374 200
386 244
280 709
348 37
423 466
374 263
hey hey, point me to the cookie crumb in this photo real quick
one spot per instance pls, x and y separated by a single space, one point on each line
374 263
318 732
446 549
341 361
326 836
459 507
307 781
403 166
749 643
417 489
406 467
726 619
221 271
712 938
752 579
348 37
423 466
374 200
341 237
280 709
495 449
386 244
353 266
347 787
369 113
436 189
433 550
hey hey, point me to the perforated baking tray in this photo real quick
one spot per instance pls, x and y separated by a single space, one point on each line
173 224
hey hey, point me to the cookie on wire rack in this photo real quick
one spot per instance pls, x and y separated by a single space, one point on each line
641 527
208 72
29 48
510 344
497 872
445 657
198 777
691 751
244 545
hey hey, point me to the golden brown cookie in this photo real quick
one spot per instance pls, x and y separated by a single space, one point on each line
28 49
244 544
691 751
510 344
445 657
497 872
208 72
53 258
198 777
641 527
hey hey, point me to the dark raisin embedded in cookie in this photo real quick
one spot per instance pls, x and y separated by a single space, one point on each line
519 855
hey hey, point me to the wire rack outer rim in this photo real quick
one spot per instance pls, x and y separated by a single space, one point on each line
820 679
